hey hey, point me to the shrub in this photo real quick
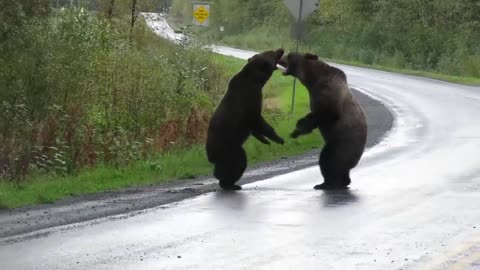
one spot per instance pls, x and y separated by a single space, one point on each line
78 90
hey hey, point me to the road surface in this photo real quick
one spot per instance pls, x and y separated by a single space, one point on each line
413 204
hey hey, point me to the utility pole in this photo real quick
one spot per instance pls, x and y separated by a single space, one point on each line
299 20
299 9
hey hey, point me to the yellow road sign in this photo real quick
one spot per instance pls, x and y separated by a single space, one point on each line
200 13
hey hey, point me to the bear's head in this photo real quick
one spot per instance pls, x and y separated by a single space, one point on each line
263 64
294 63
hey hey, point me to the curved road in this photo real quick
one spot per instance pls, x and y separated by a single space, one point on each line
413 204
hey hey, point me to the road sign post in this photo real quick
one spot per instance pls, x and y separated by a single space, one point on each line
299 20
200 17
300 9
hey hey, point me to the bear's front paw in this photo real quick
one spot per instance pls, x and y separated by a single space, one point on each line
295 134
279 140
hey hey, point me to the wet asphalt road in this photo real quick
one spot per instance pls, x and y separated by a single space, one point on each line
413 204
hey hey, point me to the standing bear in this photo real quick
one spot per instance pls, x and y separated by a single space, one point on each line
335 112
237 116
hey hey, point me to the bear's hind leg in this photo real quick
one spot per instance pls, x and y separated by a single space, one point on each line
326 168
230 169
223 172
338 182
346 179
334 174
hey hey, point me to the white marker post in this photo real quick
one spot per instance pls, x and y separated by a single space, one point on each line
300 9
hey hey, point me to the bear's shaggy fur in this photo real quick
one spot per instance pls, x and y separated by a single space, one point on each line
237 116
335 112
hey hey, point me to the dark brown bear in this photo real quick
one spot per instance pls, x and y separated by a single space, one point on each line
335 112
237 116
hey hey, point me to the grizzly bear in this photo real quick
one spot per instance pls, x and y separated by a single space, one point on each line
237 116
335 112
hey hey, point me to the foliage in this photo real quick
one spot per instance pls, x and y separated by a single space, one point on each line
432 35
77 90
182 163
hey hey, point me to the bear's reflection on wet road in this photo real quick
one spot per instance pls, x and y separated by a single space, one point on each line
334 198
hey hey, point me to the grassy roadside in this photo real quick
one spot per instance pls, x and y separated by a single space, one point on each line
178 164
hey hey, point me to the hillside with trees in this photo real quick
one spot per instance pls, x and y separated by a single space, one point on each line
433 35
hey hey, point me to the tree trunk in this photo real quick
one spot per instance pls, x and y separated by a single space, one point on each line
110 9
134 14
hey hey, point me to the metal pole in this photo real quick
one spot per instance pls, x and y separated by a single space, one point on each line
184 32
296 50
183 35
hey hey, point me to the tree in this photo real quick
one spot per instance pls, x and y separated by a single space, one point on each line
134 13
110 9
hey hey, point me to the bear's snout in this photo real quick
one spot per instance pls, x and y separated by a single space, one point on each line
280 53
283 65
282 68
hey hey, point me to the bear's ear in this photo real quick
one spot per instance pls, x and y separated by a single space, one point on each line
310 56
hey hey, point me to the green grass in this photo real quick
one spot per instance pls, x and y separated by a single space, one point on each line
179 164
43 188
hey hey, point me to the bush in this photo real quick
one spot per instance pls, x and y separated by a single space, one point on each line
78 90
439 36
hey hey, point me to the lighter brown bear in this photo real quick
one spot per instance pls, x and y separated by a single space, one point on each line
335 112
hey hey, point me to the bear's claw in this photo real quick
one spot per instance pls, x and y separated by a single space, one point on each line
295 134
325 186
230 187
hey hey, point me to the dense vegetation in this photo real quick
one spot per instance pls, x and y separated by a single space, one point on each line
89 103
80 87
179 163
433 35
